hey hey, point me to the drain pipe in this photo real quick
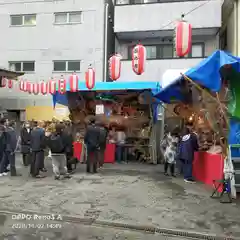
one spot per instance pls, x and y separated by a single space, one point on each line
105 43
236 4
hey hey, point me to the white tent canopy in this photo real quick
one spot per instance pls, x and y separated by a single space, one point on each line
170 76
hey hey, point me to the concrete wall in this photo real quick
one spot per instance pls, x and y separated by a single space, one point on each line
46 42
154 16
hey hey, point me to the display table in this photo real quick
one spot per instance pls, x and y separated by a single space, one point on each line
208 167
77 150
109 155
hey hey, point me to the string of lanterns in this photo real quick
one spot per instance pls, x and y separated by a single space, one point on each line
182 40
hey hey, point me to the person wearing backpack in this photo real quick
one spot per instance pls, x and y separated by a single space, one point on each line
57 144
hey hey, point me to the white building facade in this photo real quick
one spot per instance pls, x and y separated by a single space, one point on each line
50 38
151 22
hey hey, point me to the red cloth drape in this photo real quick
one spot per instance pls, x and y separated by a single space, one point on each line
208 167
77 150
109 155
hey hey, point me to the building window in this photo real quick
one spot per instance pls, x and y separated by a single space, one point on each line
151 52
166 51
23 20
68 17
197 50
66 66
26 66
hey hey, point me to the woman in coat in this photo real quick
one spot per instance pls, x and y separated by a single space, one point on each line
25 135
188 145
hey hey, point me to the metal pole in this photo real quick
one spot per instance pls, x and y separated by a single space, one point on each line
105 43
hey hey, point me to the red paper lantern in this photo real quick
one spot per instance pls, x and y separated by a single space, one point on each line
73 82
138 59
4 82
21 82
62 85
115 67
29 87
52 85
90 78
35 88
43 88
10 83
23 86
183 38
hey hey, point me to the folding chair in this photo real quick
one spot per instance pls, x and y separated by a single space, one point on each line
226 190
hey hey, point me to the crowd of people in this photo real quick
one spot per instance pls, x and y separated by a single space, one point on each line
178 149
54 140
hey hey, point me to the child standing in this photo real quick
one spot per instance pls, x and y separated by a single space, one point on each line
169 148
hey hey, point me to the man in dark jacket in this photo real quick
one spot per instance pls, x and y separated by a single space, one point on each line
57 143
11 145
42 165
91 139
25 135
37 145
69 146
188 146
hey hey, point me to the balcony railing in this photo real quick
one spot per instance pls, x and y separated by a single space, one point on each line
155 69
138 2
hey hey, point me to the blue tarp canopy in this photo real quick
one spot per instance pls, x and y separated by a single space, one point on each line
109 86
206 73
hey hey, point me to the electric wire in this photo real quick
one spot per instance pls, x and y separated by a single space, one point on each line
187 13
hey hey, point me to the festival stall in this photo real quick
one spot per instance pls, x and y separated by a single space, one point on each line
7 77
201 95
127 106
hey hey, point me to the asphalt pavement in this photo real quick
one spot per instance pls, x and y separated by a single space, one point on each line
120 202
60 230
